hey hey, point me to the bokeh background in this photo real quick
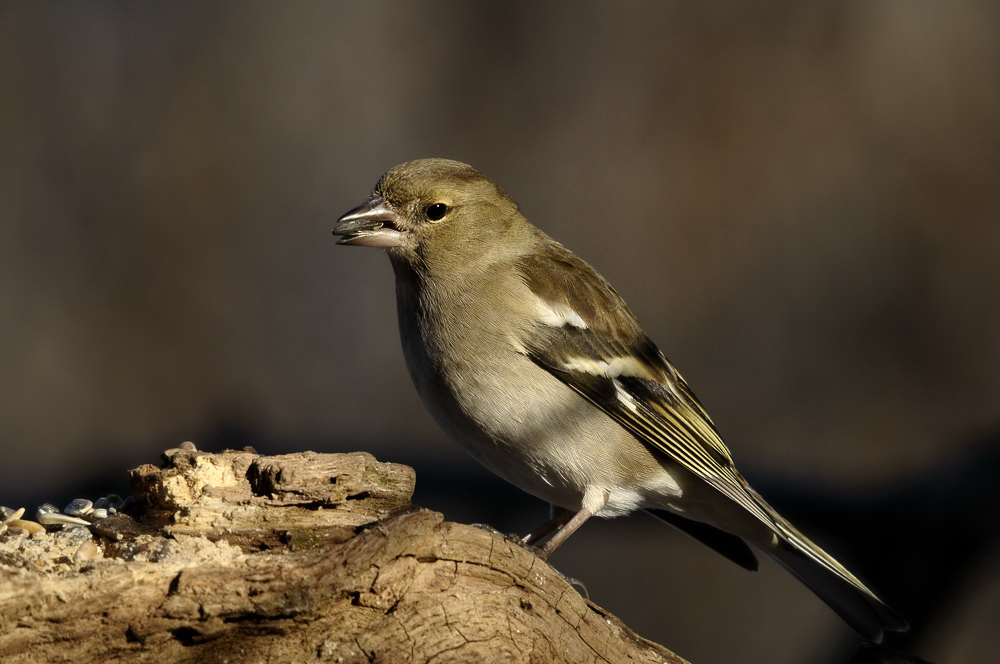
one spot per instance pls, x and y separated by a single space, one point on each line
801 202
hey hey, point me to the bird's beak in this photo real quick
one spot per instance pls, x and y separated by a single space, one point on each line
371 224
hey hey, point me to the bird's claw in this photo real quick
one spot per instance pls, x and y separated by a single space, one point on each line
488 528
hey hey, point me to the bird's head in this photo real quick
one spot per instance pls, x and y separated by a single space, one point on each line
430 206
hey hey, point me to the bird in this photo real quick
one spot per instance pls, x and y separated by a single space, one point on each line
532 362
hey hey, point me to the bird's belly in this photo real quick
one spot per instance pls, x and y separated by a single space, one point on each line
548 440
536 433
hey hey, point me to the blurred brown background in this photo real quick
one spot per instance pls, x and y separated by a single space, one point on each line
801 202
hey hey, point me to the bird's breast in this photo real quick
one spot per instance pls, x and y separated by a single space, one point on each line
516 418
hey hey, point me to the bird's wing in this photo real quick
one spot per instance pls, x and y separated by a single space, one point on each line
591 341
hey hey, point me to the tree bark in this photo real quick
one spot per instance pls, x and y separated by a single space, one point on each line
236 557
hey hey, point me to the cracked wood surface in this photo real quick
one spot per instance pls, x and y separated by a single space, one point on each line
235 557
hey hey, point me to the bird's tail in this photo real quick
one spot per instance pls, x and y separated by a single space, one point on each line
841 590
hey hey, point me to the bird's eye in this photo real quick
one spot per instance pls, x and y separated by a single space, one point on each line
436 211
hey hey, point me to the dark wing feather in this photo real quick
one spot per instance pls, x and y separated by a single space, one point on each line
720 541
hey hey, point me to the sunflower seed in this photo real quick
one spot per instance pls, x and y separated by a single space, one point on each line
57 519
87 551
78 507
30 526
12 515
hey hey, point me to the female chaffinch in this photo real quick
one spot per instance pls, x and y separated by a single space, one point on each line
531 361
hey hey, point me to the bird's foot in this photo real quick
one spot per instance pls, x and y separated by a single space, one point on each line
514 538
576 583
539 551
488 528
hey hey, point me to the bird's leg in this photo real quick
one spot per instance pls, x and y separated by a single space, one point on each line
559 517
565 531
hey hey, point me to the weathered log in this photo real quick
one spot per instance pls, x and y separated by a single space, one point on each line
236 557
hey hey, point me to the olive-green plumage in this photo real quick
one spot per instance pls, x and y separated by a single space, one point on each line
531 361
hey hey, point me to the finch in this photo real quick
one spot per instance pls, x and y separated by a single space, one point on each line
532 363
